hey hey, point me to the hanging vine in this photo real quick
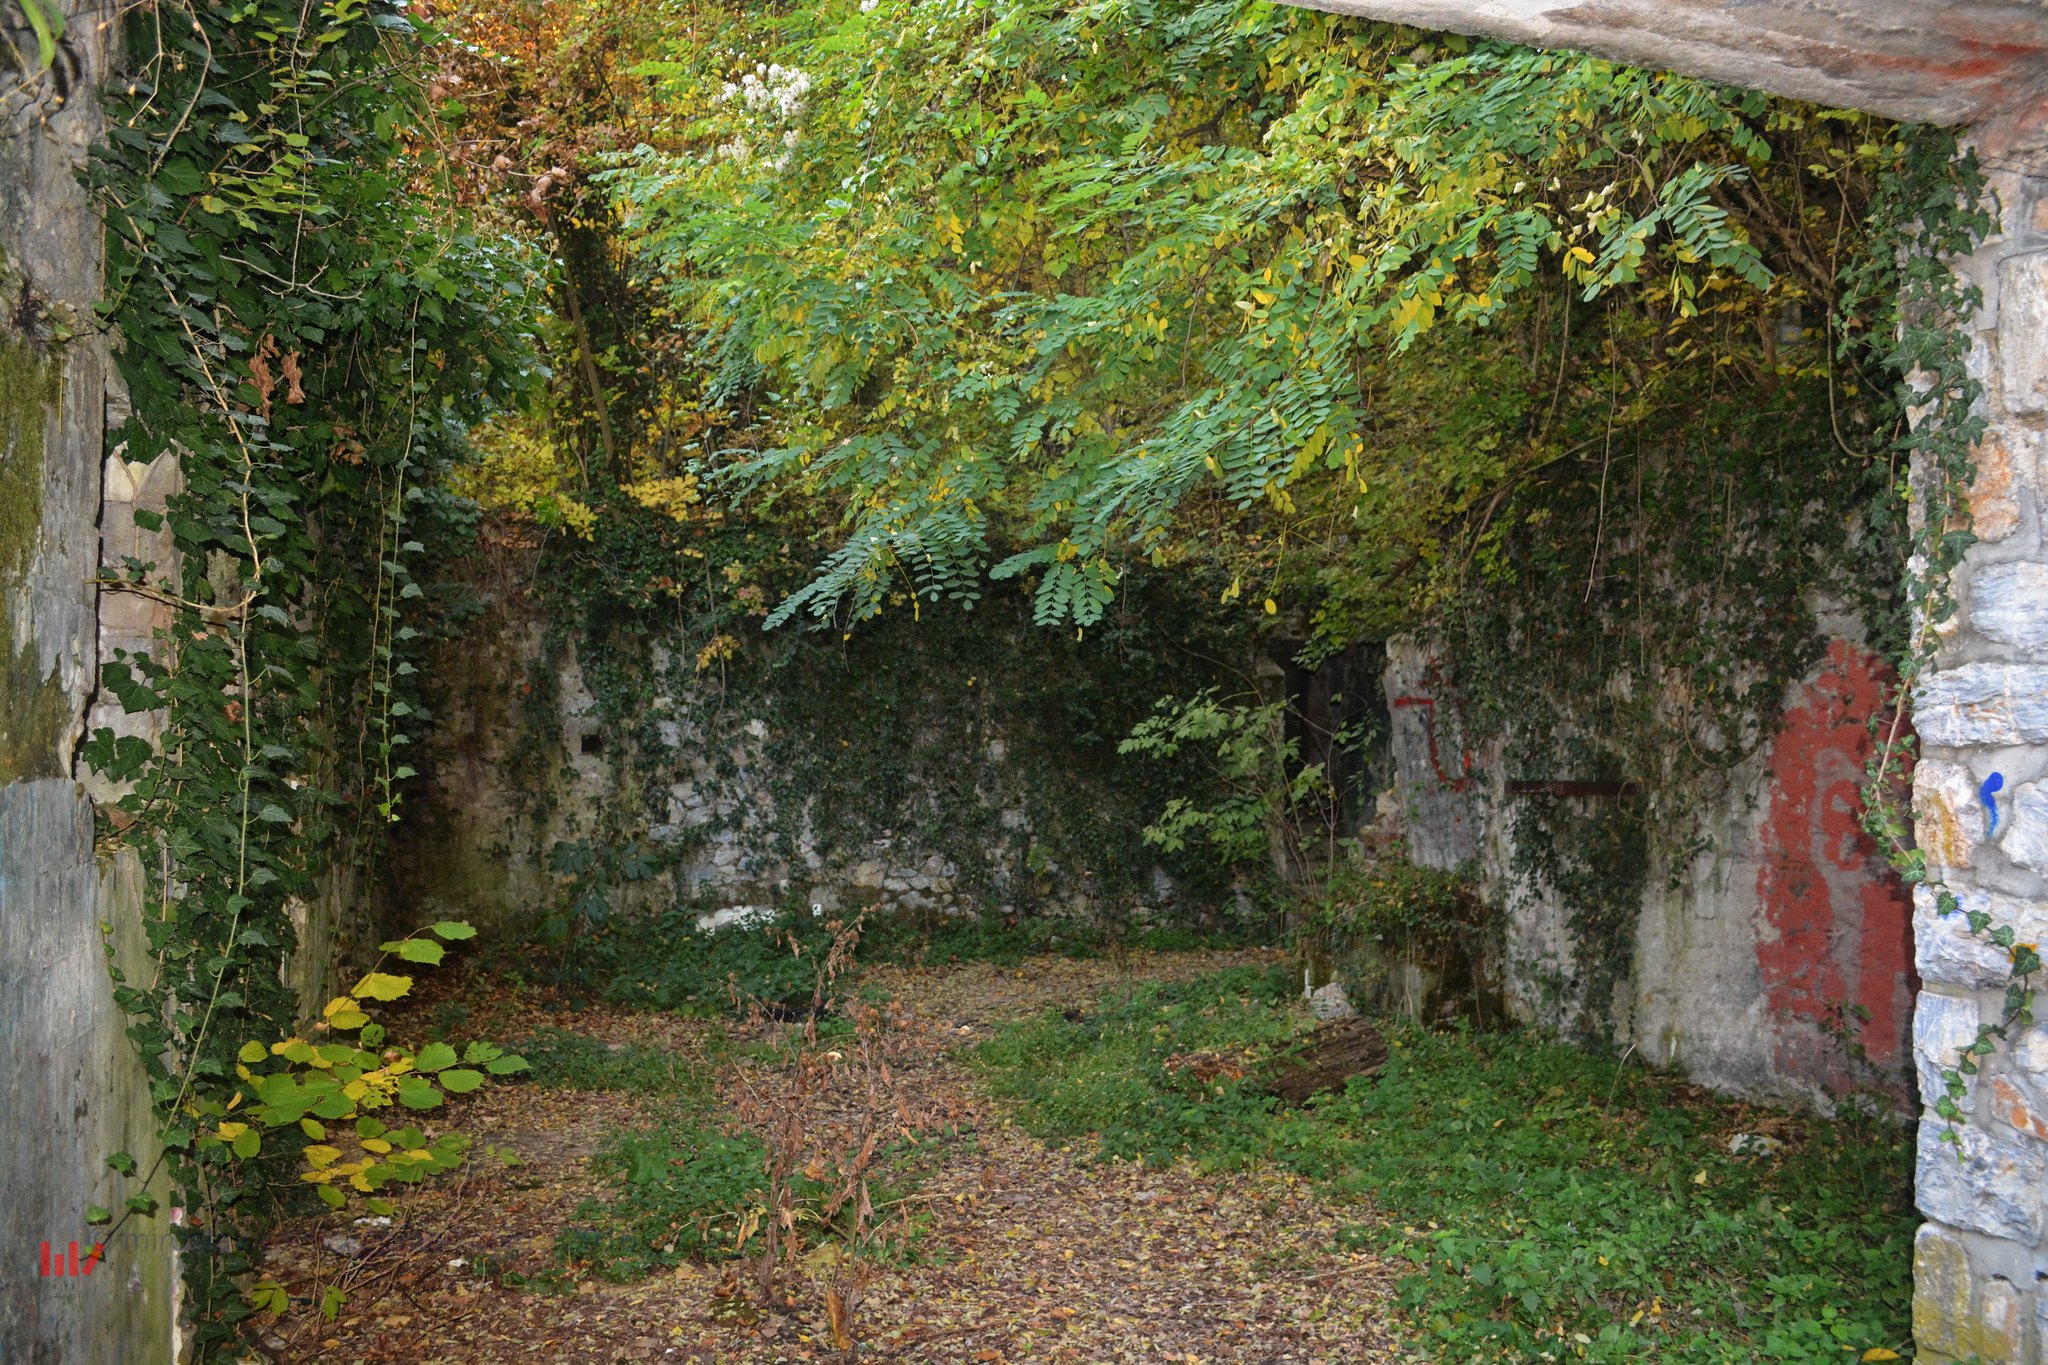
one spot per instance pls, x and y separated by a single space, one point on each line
306 341
1938 196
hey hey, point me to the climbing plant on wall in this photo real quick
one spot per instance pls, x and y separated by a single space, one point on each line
975 736
309 343
1937 196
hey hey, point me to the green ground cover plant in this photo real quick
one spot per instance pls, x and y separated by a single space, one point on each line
563 1059
685 1190
665 961
1549 1204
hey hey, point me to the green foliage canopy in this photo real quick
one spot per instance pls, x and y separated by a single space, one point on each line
1097 280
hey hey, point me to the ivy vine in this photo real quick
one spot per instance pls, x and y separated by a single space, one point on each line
1939 195
309 343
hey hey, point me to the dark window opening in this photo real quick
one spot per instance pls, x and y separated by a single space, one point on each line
593 744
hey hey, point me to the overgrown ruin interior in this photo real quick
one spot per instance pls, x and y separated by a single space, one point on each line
1527 526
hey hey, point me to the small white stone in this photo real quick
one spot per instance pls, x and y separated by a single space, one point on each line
1754 1144
744 915
1330 1002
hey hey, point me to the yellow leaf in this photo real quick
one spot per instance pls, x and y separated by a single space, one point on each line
1271 606
1579 253
320 1156
383 986
377 1145
228 1132
337 1005
1880 1353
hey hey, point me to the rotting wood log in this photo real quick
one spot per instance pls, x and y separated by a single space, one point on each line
1325 1059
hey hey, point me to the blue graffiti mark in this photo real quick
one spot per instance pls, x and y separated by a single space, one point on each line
1988 794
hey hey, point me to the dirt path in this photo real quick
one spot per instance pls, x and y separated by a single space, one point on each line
1030 1255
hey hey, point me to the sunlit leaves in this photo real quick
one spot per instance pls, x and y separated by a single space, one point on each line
1057 275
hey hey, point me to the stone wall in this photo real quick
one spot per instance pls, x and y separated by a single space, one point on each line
71 1090
1981 808
1744 958
911 790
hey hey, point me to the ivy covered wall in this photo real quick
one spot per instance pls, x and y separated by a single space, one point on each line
600 751
1760 945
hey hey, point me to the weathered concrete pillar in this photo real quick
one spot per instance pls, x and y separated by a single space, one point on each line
71 1089
1981 806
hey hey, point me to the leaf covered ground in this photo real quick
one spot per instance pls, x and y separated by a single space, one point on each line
1063 1188
1020 1251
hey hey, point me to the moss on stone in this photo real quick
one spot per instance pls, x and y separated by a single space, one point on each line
33 709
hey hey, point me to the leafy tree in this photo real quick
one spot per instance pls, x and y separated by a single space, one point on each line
1139 278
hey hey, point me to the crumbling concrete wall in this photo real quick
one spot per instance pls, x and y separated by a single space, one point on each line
1749 957
525 763
71 1089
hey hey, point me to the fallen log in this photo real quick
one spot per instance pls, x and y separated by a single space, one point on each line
1324 1059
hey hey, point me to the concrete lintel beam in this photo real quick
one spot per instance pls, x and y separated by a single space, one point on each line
1971 62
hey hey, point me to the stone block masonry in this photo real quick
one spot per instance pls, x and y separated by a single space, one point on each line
1981 814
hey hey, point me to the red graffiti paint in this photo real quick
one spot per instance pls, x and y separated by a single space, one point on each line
1836 924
